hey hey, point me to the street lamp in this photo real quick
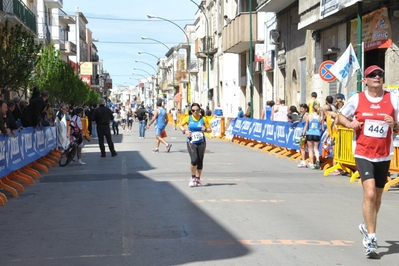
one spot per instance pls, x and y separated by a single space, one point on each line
153 16
188 44
145 94
139 61
146 78
156 77
143 71
146 38
141 52
173 59
200 7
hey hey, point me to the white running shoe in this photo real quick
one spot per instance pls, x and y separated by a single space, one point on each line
192 182
198 182
302 164
81 163
363 231
371 251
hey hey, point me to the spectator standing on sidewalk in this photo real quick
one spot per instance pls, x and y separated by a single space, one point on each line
304 112
123 116
130 118
373 115
173 112
31 114
240 113
115 121
313 130
161 120
103 117
313 101
76 131
142 116
196 144
248 111
17 112
280 111
61 126
218 111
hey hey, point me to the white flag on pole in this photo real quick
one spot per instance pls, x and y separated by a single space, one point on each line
346 66
249 78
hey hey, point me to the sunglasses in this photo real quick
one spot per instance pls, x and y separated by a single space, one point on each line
194 110
373 75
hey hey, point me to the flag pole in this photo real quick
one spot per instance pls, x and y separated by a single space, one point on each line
251 59
359 45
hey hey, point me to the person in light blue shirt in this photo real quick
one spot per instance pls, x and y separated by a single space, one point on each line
240 113
160 119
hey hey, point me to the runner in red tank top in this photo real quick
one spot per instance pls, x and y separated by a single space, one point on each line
373 114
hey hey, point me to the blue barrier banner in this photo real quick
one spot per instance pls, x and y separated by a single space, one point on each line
282 134
29 145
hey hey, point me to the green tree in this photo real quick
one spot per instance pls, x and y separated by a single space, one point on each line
94 97
59 78
18 54
49 71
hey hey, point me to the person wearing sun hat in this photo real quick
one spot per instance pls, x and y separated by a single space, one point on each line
373 115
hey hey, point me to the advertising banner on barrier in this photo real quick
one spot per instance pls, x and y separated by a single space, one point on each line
216 126
282 134
29 145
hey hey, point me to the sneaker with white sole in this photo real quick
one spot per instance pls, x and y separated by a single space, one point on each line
302 164
371 251
198 182
155 150
317 165
363 231
168 146
192 182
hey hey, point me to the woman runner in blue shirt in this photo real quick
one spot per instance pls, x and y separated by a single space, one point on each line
196 144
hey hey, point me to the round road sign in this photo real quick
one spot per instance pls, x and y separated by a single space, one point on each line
324 71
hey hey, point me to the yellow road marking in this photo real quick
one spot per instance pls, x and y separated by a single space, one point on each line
237 200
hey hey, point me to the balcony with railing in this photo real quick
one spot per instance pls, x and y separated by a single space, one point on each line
202 50
19 12
181 70
68 48
235 36
54 3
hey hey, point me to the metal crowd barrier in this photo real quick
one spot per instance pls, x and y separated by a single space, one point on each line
341 158
344 159
27 153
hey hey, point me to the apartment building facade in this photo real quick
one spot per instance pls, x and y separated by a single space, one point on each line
297 36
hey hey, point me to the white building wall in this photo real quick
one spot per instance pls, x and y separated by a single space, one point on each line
232 94
268 77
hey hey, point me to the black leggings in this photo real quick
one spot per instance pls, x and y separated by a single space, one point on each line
197 152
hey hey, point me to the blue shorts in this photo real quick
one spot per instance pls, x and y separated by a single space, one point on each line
158 131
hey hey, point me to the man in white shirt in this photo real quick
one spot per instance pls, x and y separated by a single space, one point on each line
123 116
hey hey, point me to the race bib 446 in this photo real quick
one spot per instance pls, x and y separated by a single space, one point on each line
375 128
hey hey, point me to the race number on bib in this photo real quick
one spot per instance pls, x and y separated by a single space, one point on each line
197 135
375 128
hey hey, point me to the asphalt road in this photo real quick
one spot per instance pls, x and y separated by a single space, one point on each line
137 209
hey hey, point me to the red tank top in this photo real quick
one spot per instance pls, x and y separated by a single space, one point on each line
374 138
